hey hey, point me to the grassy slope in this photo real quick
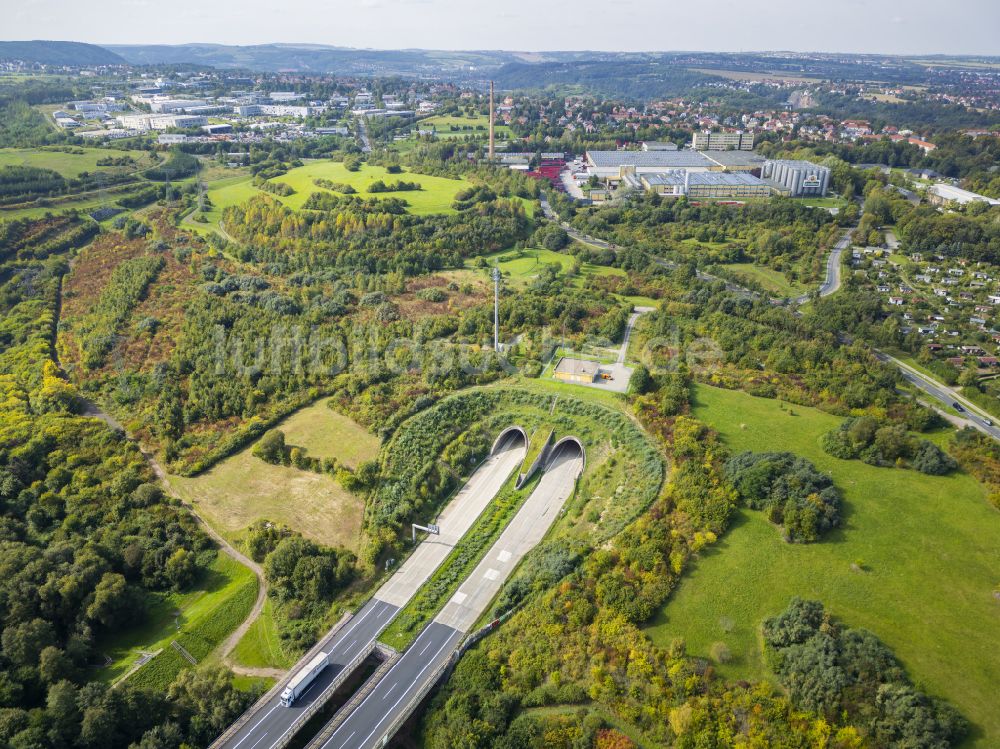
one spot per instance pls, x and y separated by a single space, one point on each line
435 197
261 646
774 281
930 546
207 603
69 164
242 488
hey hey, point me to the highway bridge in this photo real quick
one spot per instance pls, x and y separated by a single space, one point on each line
376 718
269 724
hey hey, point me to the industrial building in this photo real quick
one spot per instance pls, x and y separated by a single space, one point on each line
943 195
144 122
796 178
277 110
611 166
658 145
709 141
718 185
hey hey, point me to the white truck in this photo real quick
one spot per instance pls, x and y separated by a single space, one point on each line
306 676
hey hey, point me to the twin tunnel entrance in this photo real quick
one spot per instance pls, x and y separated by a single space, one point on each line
551 455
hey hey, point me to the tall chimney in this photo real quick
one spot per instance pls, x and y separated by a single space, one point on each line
491 120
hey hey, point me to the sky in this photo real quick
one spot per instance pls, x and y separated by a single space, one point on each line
885 26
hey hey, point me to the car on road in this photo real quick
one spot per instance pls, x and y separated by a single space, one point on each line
957 406
988 422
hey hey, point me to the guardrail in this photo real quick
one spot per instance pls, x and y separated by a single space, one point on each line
348 707
278 687
318 703
418 696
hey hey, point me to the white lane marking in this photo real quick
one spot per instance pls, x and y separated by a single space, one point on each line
250 732
503 556
259 740
310 687
425 648
348 739
352 628
416 679
491 574
389 690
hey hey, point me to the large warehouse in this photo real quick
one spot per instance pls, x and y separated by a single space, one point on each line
721 185
611 166
796 178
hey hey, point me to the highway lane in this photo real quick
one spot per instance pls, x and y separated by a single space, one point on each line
454 522
369 722
391 697
271 721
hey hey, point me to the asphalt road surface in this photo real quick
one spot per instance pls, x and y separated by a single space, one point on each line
271 721
971 413
457 518
375 715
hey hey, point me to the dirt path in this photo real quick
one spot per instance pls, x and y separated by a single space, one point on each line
93 410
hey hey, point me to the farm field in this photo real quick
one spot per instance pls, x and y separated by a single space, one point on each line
193 615
70 164
243 488
916 563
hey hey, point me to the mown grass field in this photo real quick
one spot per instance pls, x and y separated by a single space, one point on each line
203 616
242 488
476 125
521 267
928 548
437 194
70 164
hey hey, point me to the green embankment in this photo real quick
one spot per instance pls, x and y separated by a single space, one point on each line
917 563
198 619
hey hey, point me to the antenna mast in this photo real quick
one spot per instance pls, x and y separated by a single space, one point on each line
496 308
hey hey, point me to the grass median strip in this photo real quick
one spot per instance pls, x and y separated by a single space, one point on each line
433 594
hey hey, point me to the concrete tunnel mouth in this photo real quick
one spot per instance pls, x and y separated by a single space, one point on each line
509 437
567 448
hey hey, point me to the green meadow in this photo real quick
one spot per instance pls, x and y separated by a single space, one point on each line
70 164
917 562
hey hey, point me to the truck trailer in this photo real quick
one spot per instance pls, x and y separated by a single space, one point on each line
304 678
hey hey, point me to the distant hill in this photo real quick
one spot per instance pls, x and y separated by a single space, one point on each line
314 58
59 53
615 75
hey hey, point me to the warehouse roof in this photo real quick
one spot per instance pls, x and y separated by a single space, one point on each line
664 159
733 159
677 177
